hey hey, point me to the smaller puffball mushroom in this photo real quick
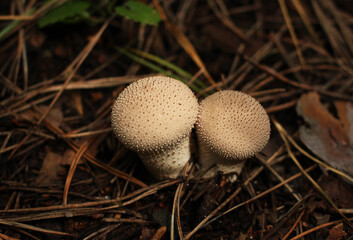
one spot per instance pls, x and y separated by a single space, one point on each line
231 127
154 117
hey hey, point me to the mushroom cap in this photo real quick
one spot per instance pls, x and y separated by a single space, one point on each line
154 113
233 125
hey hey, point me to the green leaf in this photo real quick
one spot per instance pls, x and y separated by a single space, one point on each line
139 12
63 12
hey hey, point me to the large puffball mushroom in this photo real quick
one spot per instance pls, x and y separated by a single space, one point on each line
231 127
154 117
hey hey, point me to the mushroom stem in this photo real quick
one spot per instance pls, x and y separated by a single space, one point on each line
211 164
170 162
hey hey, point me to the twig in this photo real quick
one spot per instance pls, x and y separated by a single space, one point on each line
32 228
318 228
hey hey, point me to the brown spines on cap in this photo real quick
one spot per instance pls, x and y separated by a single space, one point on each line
233 125
154 113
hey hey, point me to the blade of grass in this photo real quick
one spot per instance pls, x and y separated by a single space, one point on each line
13 24
169 65
154 67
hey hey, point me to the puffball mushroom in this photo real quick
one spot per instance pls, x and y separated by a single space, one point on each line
154 117
231 127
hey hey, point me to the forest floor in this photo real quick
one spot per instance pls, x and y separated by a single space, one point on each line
63 173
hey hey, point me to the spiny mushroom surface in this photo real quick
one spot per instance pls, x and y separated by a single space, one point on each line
154 117
231 127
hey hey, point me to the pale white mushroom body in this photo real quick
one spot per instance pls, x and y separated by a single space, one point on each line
154 117
231 127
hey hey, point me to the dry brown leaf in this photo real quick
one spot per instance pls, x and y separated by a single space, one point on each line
97 96
326 135
61 51
339 191
55 114
77 102
48 173
146 234
345 113
321 218
336 233
70 154
37 39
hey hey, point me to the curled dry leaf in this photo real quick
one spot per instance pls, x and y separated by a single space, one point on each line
55 114
48 174
328 137
93 149
337 232
338 190
77 102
